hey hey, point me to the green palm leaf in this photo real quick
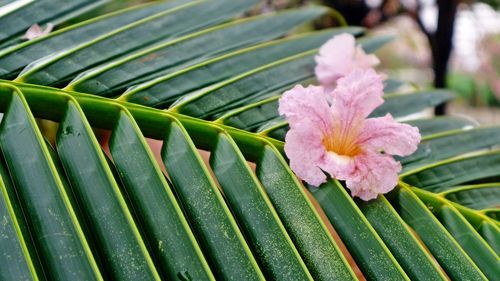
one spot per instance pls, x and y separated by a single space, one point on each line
91 209
12 60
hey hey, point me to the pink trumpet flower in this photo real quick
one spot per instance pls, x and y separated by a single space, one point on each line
36 31
336 137
338 57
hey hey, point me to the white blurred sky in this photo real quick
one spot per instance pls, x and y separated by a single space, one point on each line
472 24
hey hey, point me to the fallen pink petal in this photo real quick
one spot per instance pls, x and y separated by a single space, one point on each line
36 31
337 137
338 57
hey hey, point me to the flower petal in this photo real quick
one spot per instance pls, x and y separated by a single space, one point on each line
335 59
392 137
308 103
340 167
375 174
357 95
305 150
36 31
363 60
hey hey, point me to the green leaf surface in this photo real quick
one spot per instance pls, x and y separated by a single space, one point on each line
479 251
123 252
445 145
248 86
64 252
18 21
371 254
14 59
58 70
217 231
491 234
443 175
15 258
164 59
252 116
165 90
400 105
443 247
398 237
393 85
373 43
315 244
494 214
465 234
74 202
271 245
166 229
275 128
481 196
440 124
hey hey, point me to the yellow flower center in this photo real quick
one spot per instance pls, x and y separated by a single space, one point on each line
342 142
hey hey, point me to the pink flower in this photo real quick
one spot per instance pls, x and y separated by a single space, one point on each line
36 31
338 57
339 139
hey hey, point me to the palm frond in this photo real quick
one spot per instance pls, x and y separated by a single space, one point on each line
78 208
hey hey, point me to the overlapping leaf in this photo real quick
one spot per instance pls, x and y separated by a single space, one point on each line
90 214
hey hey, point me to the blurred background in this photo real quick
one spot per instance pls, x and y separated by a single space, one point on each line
452 44
443 43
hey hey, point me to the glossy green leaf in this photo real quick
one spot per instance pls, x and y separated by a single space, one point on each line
156 208
491 234
443 247
478 220
481 196
123 252
13 60
405 104
248 87
443 175
460 229
64 252
442 146
266 235
217 231
164 59
275 128
165 90
251 85
371 254
373 43
440 124
494 214
315 244
478 250
398 237
59 69
15 258
393 85
253 115
74 202
18 21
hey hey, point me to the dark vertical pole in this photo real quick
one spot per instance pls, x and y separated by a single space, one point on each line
442 44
